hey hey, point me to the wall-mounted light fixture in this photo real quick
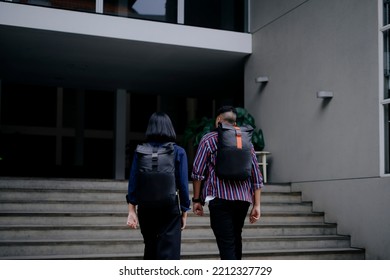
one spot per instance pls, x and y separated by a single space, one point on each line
262 79
324 94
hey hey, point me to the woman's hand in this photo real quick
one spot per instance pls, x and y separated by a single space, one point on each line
183 220
132 219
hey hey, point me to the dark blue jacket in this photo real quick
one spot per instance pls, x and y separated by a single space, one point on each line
181 172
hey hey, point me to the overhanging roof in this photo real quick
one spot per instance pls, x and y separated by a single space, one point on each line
75 49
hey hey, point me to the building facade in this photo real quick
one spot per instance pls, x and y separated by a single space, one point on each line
79 80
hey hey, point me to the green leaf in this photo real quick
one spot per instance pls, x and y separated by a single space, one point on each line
241 112
196 129
250 120
258 140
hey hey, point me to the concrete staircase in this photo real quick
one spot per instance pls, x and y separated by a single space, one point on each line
80 219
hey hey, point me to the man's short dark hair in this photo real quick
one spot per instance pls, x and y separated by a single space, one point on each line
225 109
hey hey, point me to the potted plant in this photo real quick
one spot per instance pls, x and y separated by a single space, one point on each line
197 128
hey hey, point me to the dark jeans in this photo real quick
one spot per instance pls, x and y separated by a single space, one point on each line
161 230
227 220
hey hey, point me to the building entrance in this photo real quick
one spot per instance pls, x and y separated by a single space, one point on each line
73 133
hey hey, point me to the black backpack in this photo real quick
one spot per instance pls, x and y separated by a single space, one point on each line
156 183
234 156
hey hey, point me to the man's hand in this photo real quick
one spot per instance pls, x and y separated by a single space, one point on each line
198 209
255 214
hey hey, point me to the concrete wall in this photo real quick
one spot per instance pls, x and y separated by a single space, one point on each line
359 207
328 149
319 45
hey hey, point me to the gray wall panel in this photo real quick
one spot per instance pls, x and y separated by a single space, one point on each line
359 207
320 45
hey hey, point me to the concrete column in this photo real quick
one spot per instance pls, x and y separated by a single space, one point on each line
227 14
99 6
192 104
79 129
60 98
128 114
180 11
0 100
120 135
159 104
247 10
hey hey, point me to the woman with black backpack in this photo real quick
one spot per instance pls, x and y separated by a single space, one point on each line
158 196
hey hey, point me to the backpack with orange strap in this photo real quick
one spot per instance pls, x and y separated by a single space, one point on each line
234 154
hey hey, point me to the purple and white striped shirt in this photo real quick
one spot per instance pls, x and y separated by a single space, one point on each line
204 169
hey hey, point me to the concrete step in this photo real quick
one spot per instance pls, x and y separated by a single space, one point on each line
288 254
76 184
272 242
82 232
109 205
119 218
260 230
86 219
291 254
9 248
284 188
106 194
58 206
96 185
69 190
281 197
63 194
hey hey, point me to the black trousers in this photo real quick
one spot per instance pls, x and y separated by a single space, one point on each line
227 220
161 231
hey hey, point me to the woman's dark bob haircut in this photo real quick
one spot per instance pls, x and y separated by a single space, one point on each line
160 128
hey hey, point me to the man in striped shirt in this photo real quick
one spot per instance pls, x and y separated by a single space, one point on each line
228 200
